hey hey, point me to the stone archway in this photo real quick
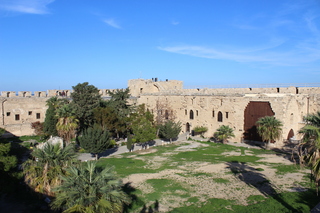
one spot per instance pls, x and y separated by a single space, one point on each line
252 113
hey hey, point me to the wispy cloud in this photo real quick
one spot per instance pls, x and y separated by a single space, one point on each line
112 23
175 22
26 6
288 38
293 57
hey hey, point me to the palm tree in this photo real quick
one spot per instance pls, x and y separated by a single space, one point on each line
269 128
43 171
67 122
311 145
223 133
87 188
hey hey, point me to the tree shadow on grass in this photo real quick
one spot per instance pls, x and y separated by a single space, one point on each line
136 202
253 178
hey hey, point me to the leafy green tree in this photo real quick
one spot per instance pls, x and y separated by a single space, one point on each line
50 121
144 130
119 104
2 131
108 118
200 130
311 145
119 100
129 143
88 189
67 122
42 172
7 161
94 140
223 133
8 172
170 130
85 98
269 128
142 125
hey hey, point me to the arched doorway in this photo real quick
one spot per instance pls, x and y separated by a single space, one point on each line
290 134
187 127
252 113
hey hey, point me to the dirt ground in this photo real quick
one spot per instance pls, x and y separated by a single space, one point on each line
244 181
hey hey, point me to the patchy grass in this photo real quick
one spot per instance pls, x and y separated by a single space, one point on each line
283 169
177 191
221 180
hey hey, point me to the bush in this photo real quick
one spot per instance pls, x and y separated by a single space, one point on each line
200 130
113 143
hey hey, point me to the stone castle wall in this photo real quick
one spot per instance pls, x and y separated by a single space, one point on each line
290 104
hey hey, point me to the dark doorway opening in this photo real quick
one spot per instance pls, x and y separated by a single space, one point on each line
252 113
187 127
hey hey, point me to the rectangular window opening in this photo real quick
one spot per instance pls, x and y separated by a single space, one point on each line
17 117
8 113
38 116
30 113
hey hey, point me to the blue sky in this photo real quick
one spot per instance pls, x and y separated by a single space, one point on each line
52 44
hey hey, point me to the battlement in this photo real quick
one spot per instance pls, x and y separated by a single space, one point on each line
48 93
152 86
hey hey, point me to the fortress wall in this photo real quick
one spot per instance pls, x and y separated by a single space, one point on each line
141 86
18 112
290 109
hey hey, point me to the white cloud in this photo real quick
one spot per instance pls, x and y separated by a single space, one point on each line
26 6
294 57
111 22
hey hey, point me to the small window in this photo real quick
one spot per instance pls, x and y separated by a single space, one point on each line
219 116
17 117
186 112
191 114
141 90
166 115
30 113
8 113
38 116
278 89
213 113
197 113
227 114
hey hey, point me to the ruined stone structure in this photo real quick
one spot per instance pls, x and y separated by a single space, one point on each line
237 107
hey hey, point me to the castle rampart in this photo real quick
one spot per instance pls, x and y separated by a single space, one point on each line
210 107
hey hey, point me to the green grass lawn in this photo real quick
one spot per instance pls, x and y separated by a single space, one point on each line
179 195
